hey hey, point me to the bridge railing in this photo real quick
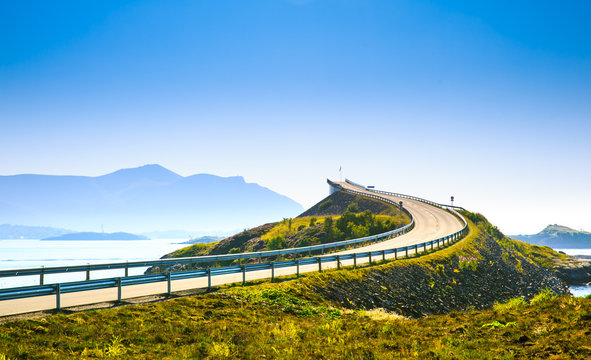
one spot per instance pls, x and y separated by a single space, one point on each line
258 255
403 196
120 282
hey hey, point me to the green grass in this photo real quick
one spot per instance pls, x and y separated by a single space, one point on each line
510 304
289 227
194 250
259 322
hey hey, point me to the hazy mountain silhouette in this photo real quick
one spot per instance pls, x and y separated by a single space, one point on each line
146 198
558 237
96 236
29 232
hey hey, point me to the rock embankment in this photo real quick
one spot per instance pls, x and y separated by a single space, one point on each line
474 273
575 271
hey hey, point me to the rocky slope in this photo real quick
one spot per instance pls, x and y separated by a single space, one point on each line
483 269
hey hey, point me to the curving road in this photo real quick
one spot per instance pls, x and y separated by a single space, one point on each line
430 223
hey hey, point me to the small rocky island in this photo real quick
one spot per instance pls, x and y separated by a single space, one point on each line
96 236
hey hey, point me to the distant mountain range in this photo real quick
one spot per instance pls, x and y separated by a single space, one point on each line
558 237
29 232
96 236
143 199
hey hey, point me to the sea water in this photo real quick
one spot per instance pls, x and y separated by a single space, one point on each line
19 254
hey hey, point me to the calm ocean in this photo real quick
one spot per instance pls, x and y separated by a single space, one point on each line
16 254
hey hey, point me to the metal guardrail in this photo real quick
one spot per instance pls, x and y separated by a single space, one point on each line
119 282
404 196
42 271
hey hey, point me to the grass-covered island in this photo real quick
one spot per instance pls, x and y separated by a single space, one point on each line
485 297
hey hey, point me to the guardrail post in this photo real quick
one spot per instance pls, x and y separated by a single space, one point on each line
169 283
58 300
370 257
42 275
88 272
355 259
298 268
433 242
126 270
243 274
272 272
383 255
406 251
119 289
208 278
396 254
338 261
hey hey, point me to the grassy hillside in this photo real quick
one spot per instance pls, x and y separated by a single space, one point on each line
338 202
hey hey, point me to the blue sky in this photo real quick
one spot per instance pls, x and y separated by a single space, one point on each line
489 101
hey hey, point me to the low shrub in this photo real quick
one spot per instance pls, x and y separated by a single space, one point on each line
542 297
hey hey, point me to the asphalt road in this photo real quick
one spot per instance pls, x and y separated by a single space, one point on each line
430 223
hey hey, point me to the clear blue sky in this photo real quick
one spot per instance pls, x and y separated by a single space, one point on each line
489 101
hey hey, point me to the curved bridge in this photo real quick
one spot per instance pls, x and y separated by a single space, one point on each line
431 221
433 225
